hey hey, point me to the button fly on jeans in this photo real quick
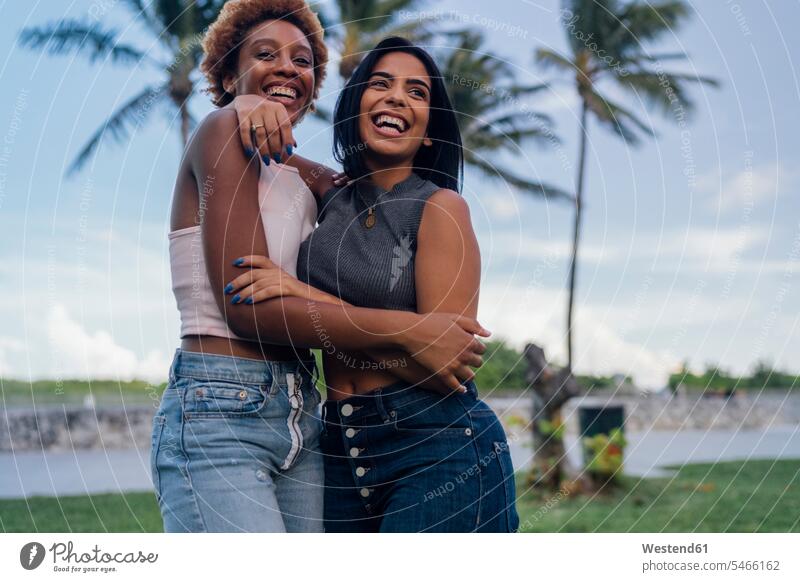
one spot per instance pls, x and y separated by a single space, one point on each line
354 451
350 433
364 492
347 410
360 471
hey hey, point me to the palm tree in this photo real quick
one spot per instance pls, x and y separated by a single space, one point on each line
353 27
606 42
177 26
491 121
494 112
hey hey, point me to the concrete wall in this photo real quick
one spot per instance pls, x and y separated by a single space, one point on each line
59 428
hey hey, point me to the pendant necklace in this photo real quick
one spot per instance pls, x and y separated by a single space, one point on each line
372 218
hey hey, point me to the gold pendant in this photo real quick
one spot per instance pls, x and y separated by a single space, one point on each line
370 222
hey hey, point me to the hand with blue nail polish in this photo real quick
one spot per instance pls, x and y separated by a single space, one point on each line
273 123
262 279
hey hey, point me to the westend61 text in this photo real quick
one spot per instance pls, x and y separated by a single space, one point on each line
670 549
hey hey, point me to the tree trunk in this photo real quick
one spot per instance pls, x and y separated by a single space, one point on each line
184 123
576 227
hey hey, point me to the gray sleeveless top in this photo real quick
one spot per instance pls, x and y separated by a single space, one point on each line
368 267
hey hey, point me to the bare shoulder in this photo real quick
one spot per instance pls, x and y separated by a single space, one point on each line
446 205
219 126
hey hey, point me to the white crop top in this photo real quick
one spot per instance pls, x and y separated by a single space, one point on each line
288 213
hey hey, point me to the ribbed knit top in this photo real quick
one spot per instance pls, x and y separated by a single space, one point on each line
368 267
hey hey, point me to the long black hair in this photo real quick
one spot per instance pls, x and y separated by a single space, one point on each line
442 163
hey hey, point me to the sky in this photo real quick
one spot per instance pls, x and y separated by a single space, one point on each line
690 241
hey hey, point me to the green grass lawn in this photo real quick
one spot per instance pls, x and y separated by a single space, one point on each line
131 512
756 496
104 392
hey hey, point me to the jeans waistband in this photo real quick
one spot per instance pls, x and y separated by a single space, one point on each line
381 400
218 367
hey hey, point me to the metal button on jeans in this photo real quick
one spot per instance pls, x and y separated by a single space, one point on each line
364 492
347 410
468 432
242 395
350 433
354 452
360 471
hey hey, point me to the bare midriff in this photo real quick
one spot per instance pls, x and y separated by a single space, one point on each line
350 374
221 346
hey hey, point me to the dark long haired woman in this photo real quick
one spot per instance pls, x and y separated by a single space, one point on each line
399 456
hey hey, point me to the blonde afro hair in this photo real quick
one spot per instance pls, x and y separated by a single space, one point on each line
225 36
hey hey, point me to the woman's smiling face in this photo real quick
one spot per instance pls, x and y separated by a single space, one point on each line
276 62
395 109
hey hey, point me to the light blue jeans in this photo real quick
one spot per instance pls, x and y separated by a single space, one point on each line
235 446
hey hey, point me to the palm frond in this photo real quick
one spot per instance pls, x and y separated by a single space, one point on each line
121 123
72 36
665 91
535 188
644 22
549 58
616 118
143 12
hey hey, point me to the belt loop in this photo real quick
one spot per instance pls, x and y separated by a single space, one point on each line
174 367
472 388
379 406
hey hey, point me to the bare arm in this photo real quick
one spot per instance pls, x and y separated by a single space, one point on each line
448 260
232 229
447 276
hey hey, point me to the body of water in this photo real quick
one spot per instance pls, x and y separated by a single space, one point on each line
112 471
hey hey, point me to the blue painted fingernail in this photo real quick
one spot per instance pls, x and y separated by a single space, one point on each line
236 299
289 150
266 160
249 300
238 262
277 158
248 152
228 288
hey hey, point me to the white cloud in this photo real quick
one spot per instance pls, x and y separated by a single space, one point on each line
717 249
8 345
521 245
751 186
79 353
536 314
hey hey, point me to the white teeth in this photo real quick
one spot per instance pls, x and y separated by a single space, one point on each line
401 125
282 91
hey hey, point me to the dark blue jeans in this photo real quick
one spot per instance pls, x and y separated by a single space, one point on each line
403 459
